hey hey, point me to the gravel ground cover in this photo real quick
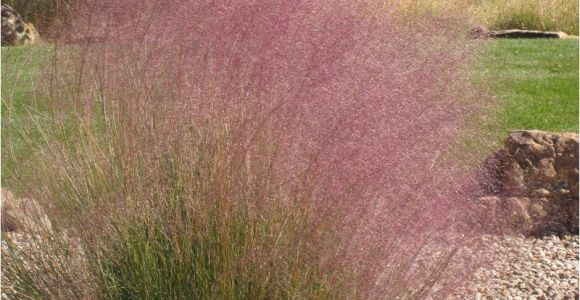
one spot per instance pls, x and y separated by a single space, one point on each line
526 268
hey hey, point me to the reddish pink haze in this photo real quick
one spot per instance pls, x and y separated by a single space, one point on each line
356 108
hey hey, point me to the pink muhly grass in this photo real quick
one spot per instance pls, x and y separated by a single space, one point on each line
299 139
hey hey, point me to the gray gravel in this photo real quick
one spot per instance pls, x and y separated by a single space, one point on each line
526 268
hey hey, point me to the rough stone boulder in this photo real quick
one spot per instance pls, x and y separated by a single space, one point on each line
15 31
481 32
30 243
533 181
528 34
22 215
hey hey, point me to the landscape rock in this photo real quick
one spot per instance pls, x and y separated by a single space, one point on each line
527 34
22 215
15 31
480 32
30 242
533 181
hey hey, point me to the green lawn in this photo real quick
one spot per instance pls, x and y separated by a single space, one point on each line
535 83
23 104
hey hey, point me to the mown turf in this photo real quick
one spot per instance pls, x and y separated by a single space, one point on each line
24 103
535 83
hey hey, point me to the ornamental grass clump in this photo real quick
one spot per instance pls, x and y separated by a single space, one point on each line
548 15
252 149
